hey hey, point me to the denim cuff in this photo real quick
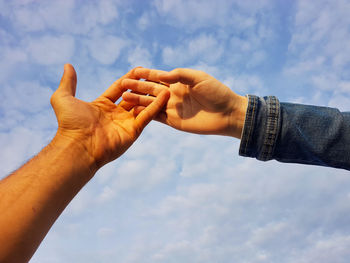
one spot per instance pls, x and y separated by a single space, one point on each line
261 128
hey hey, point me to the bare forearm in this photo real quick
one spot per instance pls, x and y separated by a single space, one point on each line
38 192
89 135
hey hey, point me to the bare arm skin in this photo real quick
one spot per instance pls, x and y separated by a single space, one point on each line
198 102
89 135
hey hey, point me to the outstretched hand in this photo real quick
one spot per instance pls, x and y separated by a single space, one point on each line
104 129
198 102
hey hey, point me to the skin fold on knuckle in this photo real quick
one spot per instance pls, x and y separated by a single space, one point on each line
54 99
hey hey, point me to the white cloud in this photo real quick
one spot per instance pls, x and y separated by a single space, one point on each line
35 96
129 175
345 86
340 101
62 16
304 66
27 122
332 249
9 58
177 197
107 11
48 50
14 55
81 203
26 104
19 146
244 84
250 47
317 43
106 48
248 218
145 20
107 194
105 232
37 16
140 56
200 48
194 14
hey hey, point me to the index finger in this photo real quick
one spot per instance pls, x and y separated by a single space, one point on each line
114 92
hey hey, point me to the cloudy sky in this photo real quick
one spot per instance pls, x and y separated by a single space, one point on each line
177 197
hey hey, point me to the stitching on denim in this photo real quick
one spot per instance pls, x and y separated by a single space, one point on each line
277 125
270 122
251 121
248 124
271 128
274 126
247 121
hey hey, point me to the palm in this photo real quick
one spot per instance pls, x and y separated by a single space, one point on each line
104 124
104 129
198 108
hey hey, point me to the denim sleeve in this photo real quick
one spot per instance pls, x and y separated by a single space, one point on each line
296 133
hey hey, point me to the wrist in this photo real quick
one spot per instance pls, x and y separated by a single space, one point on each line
76 151
237 116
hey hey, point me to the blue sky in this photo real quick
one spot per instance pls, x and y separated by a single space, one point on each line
178 197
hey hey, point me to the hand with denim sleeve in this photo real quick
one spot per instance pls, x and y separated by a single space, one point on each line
89 135
198 102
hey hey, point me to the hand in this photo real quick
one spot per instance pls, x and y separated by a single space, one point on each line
198 102
104 129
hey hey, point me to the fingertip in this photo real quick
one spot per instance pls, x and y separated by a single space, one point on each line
67 66
68 81
69 71
154 108
125 95
142 73
165 93
139 72
163 98
126 105
132 73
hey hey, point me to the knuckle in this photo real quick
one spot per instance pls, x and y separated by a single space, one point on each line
132 72
178 70
54 98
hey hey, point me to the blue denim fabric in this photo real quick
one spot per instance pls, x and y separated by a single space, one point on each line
296 133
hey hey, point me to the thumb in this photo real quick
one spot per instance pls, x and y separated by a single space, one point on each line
68 82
